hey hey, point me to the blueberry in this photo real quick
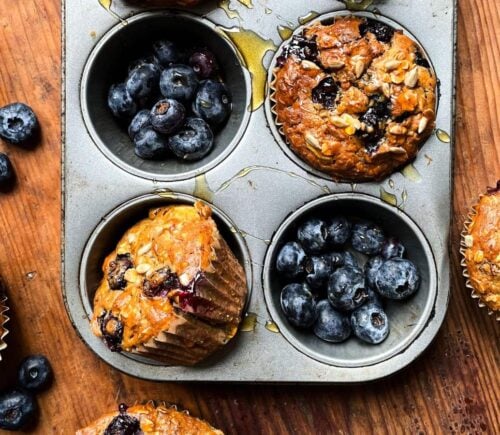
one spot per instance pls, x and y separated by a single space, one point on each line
142 82
313 234
420 59
112 330
397 278
349 259
373 297
17 409
18 123
298 305
151 61
392 248
339 230
212 102
193 141
141 120
117 268
34 373
331 325
6 171
121 102
325 92
178 82
291 260
337 259
318 271
371 268
150 145
370 323
124 424
346 288
374 118
167 116
383 32
203 63
301 47
367 238
166 52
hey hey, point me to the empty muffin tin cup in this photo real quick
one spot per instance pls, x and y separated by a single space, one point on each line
108 63
270 104
407 318
103 240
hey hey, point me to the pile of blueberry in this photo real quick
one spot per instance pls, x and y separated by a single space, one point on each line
329 291
172 101
18 126
18 405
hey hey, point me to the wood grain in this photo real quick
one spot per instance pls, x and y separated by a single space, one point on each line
453 387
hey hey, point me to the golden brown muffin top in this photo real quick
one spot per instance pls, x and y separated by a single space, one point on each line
482 254
354 98
156 259
148 419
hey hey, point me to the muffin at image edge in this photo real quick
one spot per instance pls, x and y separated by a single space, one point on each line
480 248
354 99
172 289
149 419
3 317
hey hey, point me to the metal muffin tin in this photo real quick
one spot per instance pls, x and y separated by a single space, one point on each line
255 184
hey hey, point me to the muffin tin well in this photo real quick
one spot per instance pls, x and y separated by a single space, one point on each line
107 64
256 188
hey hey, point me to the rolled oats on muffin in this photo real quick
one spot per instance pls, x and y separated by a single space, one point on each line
480 248
148 419
172 289
354 97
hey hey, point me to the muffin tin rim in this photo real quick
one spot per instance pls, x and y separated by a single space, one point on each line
113 157
269 104
284 327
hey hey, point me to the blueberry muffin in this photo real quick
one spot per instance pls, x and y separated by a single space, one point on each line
481 250
354 98
172 289
148 419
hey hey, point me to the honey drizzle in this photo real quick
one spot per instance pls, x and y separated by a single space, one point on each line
411 173
249 322
307 17
245 171
232 14
202 189
253 48
272 327
354 5
106 4
285 32
247 3
388 197
443 136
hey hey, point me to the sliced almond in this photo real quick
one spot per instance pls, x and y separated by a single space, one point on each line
359 68
469 241
397 77
336 64
307 64
312 140
397 130
184 279
338 121
386 89
422 124
131 238
351 121
143 268
396 150
391 65
131 276
411 77
144 249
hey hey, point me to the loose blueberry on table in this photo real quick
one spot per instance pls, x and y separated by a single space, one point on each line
172 102
18 123
337 274
17 409
34 373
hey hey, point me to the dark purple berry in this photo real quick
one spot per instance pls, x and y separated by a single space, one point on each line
203 63
331 325
346 288
160 283
298 305
34 373
318 271
167 116
6 170
212 102
178 82
117 269
291 260
111 330
142 82
121 102
325 93
371 268
370 323
301 47
397 279
193 141
17 409
312 235
339 231
383 32
392 248
18 123
367 238
166 52
140 121
150 145
124 424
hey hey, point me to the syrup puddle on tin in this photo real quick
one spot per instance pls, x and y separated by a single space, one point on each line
307 17
388 197
443 136
357 5
245 171
165 193
243 233
232 14
284 32
202 189
247 3
404 196
253 48
411 173
271 326
106 4
249 322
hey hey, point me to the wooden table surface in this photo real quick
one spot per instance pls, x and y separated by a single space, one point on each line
453 387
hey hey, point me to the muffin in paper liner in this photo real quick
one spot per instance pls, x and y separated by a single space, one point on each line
330 139
3 318
149 419
172 289
481 267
